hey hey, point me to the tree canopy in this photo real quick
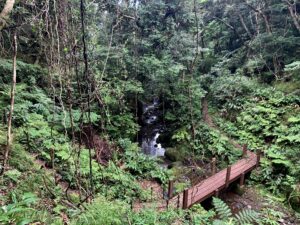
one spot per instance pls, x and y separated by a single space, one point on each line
81 79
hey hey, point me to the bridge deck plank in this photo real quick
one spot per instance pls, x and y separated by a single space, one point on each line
209 186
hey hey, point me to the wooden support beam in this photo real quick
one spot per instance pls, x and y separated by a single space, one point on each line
244 150
185 199
213 166
242 179
258 153
151 193
227 176
217 193
178 201
170 189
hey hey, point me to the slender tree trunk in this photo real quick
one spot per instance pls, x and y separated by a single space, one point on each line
245 26
260 12
193 64
266 19
190 92
293 13
5 12
12 103
257 23
202 43
88 80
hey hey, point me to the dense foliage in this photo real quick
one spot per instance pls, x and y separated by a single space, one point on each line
223 72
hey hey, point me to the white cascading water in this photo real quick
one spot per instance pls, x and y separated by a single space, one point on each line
151 134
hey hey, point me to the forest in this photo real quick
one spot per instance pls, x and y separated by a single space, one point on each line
122 112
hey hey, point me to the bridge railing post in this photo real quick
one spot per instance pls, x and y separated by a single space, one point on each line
242 179
258 153
170 189
185 199
227 176
213 166
244 150
217 192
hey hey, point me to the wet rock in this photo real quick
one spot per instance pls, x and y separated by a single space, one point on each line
236 207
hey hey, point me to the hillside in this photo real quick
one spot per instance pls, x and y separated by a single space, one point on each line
126 111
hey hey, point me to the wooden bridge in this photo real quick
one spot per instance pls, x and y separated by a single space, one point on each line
214 184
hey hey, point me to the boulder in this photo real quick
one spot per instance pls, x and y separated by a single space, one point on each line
174 154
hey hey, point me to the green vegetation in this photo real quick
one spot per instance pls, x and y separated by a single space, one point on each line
76 77
243 217
269 121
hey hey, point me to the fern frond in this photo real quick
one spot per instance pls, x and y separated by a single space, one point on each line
222 209
247 216
218 222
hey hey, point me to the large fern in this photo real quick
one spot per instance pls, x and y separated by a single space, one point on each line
222 209
244 217
247 216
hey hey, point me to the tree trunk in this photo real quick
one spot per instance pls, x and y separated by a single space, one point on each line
263 15
89 82
293 13
5 12
12 103
257 23
268 26
245 26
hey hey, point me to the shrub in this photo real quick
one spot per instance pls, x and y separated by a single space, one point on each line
228 92
102 212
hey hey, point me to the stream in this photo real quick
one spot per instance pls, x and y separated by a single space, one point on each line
152 127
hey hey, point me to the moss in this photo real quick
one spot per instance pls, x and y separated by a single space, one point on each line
240 190
175 154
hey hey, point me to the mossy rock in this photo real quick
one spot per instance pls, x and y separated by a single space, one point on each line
178 170
238 189
174 154
176 164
